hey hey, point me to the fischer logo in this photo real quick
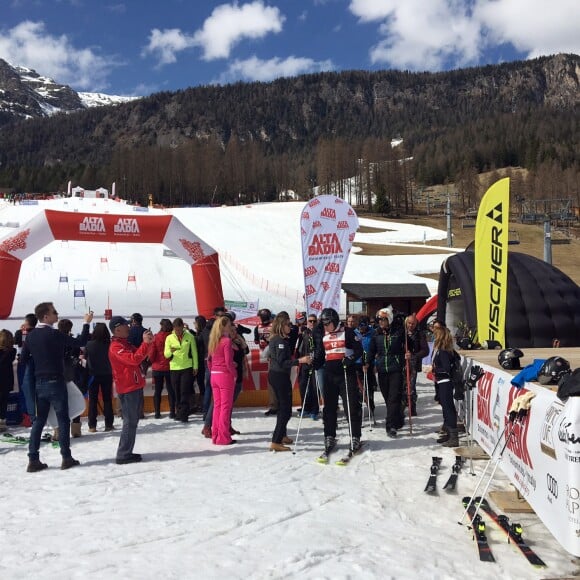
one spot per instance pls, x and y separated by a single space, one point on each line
332 267
497 262
324 244
126 226
316 224
325 286
310 290
484 399
316 305
314 203
518 443
328 212
310 271
92 225
342 225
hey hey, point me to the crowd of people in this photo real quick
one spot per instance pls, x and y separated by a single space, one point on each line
347 360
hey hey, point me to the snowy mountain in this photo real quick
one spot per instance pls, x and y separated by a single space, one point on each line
26 94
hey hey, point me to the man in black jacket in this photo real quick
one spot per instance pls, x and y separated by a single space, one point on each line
46 346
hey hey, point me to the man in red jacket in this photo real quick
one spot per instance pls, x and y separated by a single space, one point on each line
129 382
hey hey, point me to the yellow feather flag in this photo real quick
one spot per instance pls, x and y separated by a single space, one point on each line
491 262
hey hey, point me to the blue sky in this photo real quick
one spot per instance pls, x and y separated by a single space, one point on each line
138 47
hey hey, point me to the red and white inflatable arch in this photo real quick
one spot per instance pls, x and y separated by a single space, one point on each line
50 225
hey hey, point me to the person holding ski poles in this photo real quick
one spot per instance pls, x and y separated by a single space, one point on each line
365 370
281 363
336 350
308 390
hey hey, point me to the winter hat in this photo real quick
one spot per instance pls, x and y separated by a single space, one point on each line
387 313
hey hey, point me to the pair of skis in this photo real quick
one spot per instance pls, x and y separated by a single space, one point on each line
513 532
450 484
19 440
324 458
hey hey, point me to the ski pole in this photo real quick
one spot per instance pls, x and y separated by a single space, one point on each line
408 368
302 410
347 404
495 460
367 395
468 416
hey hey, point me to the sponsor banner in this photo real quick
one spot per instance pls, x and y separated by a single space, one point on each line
246 312
107 227
327 225
542 457
491 262
184 243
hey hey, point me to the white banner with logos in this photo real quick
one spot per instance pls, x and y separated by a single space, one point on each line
542 458
327 225
245 311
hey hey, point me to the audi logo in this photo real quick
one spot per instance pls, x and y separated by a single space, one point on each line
552 485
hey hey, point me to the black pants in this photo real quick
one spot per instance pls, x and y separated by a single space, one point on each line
105 384
4 391
334 385
182 382
447 403
159 379
282 386
308 391
391 385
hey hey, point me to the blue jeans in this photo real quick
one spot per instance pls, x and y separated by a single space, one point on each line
131 408
50 392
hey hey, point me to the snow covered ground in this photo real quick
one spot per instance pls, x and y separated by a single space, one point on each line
192 510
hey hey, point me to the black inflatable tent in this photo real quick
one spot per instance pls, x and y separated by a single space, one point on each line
543 303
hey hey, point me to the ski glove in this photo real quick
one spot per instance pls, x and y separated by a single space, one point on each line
521 405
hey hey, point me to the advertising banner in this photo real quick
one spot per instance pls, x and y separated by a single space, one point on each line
491 262
328 225
542 456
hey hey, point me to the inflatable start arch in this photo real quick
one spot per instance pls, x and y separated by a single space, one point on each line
51 225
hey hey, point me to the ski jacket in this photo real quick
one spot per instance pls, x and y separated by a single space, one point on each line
98 358
185 354
365 340
262 335
157 350
280 355
419 350
7 356
387 351
125 360
337 349
221 360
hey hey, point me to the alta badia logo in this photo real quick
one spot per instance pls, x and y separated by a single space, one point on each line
126 226
92 225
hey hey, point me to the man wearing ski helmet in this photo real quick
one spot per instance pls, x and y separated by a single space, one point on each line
337 349
262 338
364 368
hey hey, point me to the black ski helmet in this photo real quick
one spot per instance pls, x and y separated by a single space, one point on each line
330 315
509 358
553 370
265 315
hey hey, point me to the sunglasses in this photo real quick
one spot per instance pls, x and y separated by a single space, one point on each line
326 322
313 320
384 319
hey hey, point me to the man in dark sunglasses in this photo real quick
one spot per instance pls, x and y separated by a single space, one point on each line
387 353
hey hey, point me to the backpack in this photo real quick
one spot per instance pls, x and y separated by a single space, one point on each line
456 377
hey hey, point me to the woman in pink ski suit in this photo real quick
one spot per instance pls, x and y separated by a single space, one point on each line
221 365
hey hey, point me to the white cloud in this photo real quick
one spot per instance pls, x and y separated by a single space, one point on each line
256 69
29 44
421 35
166 43
227 25
535 27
